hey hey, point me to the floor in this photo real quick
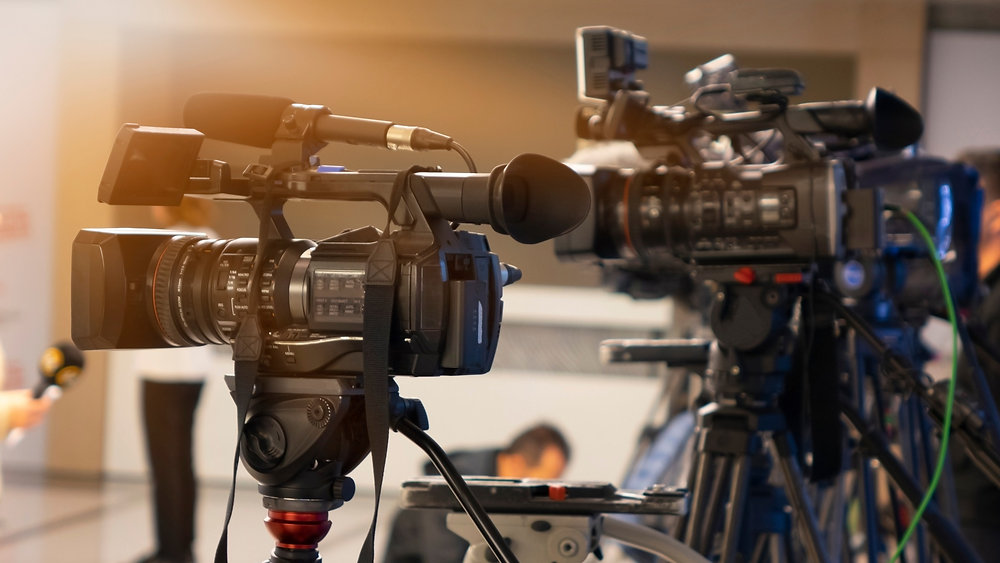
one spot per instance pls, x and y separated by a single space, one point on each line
56 521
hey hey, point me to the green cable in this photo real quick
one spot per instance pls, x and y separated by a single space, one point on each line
946 429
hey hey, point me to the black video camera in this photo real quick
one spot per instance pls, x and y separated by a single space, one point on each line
150 288
745 186
317 328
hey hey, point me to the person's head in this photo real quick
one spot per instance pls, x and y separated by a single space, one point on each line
987 164
986 161
192 211
540 452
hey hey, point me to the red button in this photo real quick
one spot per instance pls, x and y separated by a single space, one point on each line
557 492
745 275
788 278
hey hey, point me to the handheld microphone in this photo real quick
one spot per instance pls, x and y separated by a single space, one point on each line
257 121
59 366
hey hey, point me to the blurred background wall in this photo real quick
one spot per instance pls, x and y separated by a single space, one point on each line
499 77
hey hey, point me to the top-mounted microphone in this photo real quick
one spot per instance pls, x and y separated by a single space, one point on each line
259 120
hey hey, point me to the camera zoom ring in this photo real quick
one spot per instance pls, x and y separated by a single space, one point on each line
163 311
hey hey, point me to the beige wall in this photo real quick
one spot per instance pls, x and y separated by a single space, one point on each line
497 76
88 101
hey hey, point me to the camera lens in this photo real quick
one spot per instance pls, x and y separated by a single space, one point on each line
200 287
633 215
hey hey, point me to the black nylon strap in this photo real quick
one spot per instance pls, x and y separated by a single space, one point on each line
380 288
380 291
397 193
246 352
247 348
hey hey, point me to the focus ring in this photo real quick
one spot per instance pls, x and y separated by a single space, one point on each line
163 311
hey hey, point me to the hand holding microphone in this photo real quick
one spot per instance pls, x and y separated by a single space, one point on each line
58 367
23 411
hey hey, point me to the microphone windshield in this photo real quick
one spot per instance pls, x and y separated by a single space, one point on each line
59 365
238 118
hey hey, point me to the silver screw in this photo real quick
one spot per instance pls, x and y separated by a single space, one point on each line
568 548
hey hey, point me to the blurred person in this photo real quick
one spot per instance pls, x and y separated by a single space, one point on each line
987 163
172 380
422 536
18 408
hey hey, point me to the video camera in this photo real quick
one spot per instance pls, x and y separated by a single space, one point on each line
145 289
317 327
744 185
808 222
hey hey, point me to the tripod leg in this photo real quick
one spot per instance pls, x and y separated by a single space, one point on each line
795 488
737 504
833 513
758 549
680 529
703 465
711 519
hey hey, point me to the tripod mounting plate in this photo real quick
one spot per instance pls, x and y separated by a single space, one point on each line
531 496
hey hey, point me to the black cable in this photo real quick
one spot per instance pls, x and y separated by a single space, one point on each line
865 489
967 422
893 497
900 369
982 342
982 386
711 89
461 490
948 537
920 448
455 146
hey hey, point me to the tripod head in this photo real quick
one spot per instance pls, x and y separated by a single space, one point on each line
306 458
754 345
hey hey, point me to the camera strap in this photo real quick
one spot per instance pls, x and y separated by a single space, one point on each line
380 289
247 348
246 354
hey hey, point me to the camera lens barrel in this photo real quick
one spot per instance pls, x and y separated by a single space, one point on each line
135 288
201 290
712 215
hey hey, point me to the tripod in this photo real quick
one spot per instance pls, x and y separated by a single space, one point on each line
748 366
301 439
745 429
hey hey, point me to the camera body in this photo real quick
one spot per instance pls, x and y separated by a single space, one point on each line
712 214
148 288
744 186
183 289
